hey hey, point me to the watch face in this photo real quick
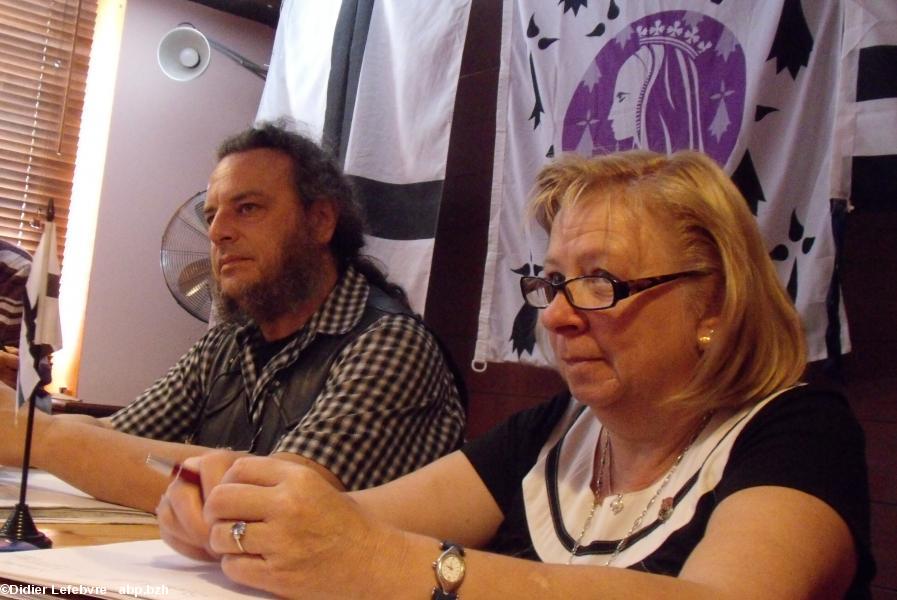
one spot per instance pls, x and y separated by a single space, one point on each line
452 568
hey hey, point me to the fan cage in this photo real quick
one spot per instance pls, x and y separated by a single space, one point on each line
185 261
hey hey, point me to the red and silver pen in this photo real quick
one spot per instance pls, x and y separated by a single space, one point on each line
175 470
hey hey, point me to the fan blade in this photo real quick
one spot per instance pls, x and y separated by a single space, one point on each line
194 277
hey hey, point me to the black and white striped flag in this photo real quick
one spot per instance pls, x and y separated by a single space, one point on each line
41 333
375 81
865 166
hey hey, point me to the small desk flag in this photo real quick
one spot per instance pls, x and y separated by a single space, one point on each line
41 333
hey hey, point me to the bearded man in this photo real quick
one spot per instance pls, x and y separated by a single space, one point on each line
316 357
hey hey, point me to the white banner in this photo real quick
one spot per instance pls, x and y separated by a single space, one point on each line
393 129
296 85
41 333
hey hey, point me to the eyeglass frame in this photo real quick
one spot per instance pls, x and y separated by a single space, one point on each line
622 289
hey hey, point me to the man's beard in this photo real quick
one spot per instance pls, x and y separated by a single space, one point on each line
296 280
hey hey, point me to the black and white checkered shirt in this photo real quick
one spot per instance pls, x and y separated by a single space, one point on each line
388 406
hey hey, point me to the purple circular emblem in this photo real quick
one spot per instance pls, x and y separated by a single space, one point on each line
671 80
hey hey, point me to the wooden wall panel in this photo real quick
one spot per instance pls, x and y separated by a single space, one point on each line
881 455
884 548
870 370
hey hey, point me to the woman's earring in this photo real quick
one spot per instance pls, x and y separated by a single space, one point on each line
705 339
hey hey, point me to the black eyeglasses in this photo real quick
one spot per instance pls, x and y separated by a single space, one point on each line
591 292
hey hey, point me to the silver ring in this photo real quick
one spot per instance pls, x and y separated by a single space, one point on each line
238 530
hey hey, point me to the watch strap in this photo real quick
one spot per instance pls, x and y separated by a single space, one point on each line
447 545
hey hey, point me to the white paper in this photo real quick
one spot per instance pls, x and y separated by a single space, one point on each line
146 569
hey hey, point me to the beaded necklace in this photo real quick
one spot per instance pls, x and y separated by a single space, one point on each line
665 512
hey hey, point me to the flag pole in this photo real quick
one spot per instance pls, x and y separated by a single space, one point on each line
20 527
19 531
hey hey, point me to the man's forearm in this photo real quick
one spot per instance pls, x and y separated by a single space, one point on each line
87 419
105 463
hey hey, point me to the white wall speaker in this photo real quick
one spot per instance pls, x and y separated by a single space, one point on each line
184 53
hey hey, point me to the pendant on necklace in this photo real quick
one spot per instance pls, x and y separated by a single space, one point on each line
616 504
666 509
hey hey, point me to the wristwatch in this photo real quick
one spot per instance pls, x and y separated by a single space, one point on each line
449 569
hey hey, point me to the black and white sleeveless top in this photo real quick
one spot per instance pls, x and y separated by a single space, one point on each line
538 467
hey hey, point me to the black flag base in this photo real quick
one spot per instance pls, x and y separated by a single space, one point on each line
20 533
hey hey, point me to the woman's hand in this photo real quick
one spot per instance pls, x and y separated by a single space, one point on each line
179 512
303 538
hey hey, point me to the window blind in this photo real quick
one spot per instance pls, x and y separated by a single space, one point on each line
44 56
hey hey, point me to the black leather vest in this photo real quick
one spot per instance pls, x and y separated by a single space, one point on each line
225 421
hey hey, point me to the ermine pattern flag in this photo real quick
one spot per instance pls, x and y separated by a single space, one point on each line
41 333
752 84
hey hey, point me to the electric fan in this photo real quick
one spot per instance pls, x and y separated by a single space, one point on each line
185 258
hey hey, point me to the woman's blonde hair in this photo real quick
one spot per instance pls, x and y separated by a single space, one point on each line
759 346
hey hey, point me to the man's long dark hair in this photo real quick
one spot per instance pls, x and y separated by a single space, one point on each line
317 176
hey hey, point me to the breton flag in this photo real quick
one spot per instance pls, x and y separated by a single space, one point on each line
375 82
41 333
754 85
865 165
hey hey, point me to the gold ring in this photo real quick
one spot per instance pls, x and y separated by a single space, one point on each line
238 530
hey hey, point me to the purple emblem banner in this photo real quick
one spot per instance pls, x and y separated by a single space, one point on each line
670 80
752 84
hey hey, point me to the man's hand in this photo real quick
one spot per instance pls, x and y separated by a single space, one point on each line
9 365
180 510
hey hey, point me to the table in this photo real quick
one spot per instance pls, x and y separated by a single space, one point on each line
65 535
100 523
